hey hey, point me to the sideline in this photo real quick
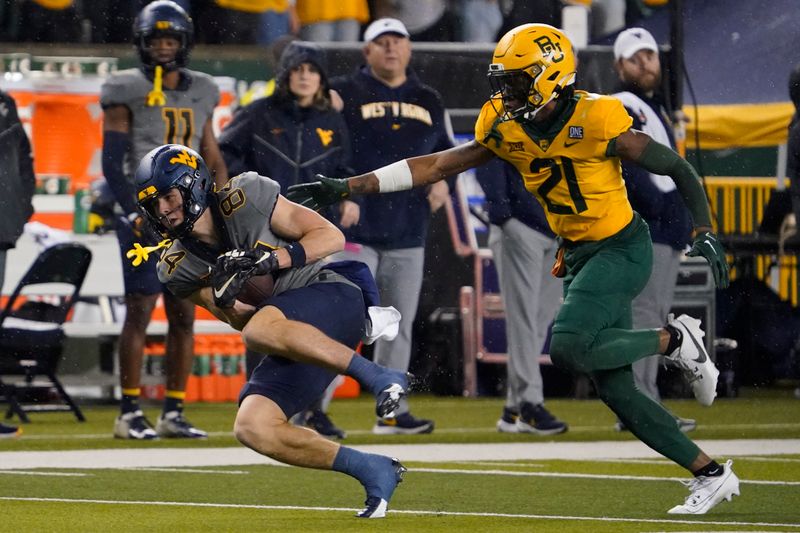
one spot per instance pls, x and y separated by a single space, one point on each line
438 453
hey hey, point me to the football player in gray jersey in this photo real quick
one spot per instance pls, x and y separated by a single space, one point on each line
251 257
143 108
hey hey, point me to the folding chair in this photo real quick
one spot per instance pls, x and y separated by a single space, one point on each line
31 327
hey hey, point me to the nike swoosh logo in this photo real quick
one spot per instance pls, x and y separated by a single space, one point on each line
263 257
567 145
221 291
711 245
701 358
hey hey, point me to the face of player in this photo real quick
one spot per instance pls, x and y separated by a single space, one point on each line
169 208
515 90
163 49
642 69
304 83
388 55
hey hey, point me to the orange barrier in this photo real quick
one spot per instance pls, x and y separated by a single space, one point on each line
67 137
64 121
218 372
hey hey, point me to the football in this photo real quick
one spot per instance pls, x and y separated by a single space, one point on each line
257 289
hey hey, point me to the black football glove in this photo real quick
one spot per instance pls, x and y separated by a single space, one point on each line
707 244
319 194
234 268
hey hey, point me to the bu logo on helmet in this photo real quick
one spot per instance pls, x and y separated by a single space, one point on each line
185 159
548 47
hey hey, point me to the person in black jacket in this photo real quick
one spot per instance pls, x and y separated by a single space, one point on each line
290 136
18 183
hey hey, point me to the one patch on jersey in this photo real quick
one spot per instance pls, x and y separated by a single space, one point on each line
575 132
516 147
544 144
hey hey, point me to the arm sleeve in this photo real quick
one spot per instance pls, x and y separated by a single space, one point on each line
660 159
115 147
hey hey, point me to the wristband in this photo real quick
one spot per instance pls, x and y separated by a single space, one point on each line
394 177
297 254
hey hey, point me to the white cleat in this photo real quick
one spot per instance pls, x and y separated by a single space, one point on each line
173 425
134 425
692 357
375 508
709 491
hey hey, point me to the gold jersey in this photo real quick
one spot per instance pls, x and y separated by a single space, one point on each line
565 167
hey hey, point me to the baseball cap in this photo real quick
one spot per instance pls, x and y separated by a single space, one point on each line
385 25
631 41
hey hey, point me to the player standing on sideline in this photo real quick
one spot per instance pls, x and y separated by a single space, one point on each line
567 144
143 108
308 316
653 196
522 244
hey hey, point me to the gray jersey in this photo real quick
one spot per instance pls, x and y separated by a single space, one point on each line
179 121
245 204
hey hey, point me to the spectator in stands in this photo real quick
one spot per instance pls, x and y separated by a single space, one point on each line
527 11
50 21
480 20
230 21
606 17
425 20
262 89
290 136
522 244
567 144
653 196
18 182
390 113
322 20
278 21
142 107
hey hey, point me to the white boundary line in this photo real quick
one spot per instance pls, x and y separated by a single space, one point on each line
440 453
585 476
54 474
400 511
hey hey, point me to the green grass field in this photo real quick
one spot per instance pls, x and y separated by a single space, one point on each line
485 495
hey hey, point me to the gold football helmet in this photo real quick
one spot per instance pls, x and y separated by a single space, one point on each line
531 65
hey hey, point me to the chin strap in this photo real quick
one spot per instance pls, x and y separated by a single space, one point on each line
156 97
140 254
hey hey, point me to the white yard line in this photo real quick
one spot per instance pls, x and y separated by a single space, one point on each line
39 473
405 511
440 453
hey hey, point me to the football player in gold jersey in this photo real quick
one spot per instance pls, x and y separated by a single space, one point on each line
567 144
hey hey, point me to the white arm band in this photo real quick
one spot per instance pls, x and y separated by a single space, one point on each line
394 177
